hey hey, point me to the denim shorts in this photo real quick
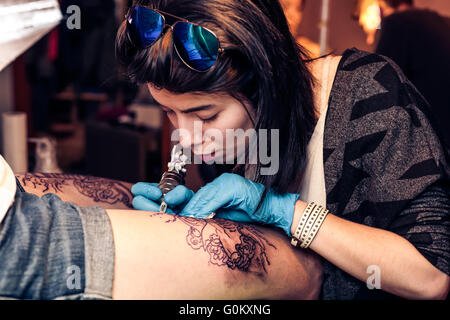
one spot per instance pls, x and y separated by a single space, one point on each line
50 249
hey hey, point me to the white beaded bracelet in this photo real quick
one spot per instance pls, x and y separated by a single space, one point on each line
304 218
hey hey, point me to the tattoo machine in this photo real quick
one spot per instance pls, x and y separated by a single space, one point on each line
174 176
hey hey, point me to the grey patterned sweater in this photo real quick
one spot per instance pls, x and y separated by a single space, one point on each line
384 165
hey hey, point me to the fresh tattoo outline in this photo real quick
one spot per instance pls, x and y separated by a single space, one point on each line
235 245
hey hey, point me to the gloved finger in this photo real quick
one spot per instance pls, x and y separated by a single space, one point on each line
142 203
147 190
208 199
178 196
234 215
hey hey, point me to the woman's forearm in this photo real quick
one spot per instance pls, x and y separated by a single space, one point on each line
354 247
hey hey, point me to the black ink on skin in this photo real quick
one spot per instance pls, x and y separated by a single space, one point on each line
237 246
99 189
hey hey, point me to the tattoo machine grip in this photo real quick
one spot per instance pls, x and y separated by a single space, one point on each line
174 176
169 180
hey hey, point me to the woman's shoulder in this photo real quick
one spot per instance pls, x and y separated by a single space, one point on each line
359 65
367 82
371 91
380 149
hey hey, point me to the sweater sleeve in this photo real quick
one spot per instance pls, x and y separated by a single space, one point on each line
425 224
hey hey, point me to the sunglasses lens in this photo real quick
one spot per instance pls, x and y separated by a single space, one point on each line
197 46
147 25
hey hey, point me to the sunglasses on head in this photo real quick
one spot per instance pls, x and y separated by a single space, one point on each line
196 46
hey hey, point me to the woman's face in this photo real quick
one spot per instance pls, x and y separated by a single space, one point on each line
199 114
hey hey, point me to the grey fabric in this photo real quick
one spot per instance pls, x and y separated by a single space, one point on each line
99 253
380 153
50 249
425 221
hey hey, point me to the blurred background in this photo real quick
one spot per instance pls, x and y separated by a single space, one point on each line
64 102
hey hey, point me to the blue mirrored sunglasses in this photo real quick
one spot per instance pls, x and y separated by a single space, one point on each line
196 46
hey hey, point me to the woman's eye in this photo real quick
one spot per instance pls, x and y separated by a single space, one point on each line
209 119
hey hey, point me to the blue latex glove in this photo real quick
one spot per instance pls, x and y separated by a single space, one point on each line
148 197
236 198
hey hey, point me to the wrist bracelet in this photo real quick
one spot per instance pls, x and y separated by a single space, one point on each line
315 228
309 225
303 219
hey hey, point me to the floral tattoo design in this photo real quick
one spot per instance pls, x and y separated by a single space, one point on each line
99 189
235 245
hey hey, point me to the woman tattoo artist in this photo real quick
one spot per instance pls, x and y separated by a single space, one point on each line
355 138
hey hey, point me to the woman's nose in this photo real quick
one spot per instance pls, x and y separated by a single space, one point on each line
190 133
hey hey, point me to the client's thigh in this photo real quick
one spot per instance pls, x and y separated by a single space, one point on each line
50 249
171 257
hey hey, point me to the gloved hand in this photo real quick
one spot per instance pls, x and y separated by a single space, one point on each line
236 198
148 197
